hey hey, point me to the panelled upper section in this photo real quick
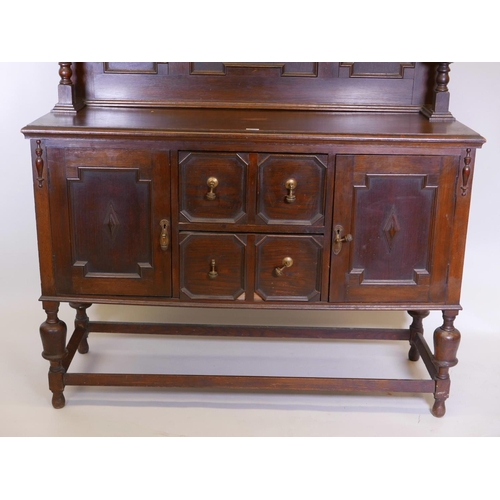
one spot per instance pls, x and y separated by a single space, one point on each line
402 86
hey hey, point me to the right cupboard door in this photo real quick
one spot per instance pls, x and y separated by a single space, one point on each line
393 218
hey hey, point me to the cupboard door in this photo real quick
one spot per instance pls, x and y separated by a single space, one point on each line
110 211
288 268
212 266
398 210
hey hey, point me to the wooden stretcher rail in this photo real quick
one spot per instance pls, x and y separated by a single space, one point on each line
251 331
307 384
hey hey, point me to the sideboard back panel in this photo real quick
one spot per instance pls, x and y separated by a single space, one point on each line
324 85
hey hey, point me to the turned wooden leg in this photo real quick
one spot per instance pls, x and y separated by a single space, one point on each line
416 327
446 342
53 334
82 322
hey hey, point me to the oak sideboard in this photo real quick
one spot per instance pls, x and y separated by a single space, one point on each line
293 186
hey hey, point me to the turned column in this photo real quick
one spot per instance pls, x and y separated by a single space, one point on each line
53 334
438 110
415 328
446 342
82 324
68 101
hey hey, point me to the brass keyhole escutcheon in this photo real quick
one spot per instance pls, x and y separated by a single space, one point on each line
212 183
291 185
164 223
337 243
287 262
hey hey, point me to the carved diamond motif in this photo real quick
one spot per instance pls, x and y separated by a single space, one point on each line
111 221
391 227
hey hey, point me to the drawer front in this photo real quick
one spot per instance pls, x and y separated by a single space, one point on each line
291 189
212 266
288 268
213 187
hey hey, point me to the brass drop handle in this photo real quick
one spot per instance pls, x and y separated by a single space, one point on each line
337 243
164 223
213 272
212 183
287 262
291 185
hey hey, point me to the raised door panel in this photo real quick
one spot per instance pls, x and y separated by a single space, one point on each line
393 216
212 266
291 189
110 212
288 268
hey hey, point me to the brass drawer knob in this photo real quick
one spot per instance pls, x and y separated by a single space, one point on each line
287 262
291 185
212 183
213 272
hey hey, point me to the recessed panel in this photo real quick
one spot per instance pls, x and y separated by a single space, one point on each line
111 221
392 227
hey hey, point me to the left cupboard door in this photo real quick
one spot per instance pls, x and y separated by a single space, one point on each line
110 219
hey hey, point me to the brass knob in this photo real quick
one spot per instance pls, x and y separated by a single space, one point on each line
213 273
287 262
291 185
212 183
337 243
164 223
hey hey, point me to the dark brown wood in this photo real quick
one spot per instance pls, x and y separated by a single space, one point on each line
243 186
212 266
295 384
53 335
69 99
395 209
114 201
250 331
81 324
398 87
446 342
275 280
416 327
306 206
439 109
226 201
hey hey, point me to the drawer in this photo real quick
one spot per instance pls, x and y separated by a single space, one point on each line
288 268
291 189
212 187
212 266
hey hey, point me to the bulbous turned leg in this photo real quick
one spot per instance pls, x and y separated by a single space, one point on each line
415 328
446 342
53 335
82 323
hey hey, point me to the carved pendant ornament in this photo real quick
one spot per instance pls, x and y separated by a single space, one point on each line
39 163
466 173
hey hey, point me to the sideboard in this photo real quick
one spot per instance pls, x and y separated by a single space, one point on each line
293 186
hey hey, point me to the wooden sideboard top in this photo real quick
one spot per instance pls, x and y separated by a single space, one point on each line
255 125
